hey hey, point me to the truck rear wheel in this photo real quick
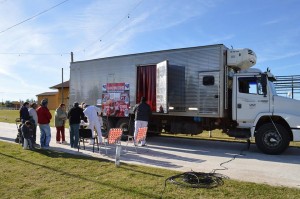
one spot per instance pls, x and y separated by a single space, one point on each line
271 140
127 130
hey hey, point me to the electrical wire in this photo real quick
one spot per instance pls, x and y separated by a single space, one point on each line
200 179
61 54
127 16
30 18
64 53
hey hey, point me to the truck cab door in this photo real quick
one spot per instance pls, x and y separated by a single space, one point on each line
250 100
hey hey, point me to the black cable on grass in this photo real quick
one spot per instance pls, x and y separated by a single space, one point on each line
200 179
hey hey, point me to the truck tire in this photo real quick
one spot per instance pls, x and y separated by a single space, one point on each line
269 141
123 123
107 124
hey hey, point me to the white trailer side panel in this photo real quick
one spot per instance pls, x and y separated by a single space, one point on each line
185 90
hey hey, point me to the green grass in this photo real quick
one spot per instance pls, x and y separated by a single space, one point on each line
10 116
52 174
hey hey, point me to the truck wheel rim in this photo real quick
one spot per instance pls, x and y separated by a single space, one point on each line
272 139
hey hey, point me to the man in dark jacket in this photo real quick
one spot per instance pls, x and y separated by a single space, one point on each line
142 113
24 114
44 117
75 115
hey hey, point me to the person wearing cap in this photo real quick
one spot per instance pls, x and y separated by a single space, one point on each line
44 117
142 113
92 113
75 115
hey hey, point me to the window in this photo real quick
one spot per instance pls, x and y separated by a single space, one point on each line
251 85
208 80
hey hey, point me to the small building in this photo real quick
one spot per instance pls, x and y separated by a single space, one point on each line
57 97
51 97
63 92
16 105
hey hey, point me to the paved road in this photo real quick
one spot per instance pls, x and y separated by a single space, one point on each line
197 155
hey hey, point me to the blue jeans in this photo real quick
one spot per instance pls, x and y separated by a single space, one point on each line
74 135
45 135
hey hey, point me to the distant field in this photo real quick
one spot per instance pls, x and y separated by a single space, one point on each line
10 116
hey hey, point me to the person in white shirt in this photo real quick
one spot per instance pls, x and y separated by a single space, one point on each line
93 113
33 119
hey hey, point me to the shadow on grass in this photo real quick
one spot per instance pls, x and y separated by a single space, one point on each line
64 155
60 154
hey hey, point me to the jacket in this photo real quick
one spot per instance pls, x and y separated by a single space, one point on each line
60 117
142 112
75 114
27 131
44 115
24 114
33 115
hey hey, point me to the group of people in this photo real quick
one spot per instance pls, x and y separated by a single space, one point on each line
32 115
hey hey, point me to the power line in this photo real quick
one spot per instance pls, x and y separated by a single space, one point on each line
61 54
127 16
33 16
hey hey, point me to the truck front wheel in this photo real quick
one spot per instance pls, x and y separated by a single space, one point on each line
271 140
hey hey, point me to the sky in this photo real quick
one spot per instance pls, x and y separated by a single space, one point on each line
37 36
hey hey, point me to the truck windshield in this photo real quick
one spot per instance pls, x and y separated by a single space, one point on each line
272 88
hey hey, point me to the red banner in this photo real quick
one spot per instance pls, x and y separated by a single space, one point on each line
115 99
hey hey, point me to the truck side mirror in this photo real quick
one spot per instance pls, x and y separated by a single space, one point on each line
264 80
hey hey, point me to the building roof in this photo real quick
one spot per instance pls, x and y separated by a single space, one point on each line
65 84
47 93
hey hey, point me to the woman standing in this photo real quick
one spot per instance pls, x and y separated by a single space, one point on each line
60 119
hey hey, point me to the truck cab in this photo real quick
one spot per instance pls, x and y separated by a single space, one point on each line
259 112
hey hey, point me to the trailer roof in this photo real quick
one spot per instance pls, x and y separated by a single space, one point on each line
174 49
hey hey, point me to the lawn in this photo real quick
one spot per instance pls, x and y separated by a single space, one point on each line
52 174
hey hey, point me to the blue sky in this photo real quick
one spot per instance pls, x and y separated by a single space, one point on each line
33 53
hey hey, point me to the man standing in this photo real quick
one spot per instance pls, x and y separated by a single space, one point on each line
24 114
75 115
92 113
44 117
142 113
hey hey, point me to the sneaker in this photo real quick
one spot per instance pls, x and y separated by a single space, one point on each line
58 142
64 142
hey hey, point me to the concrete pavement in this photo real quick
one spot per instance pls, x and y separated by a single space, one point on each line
197 155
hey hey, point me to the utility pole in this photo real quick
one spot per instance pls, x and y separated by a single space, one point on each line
62 85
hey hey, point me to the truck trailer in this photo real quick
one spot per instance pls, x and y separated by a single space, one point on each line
190 90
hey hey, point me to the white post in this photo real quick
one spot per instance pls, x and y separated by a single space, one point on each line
118 154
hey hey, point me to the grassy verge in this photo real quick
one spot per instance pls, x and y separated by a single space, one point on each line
51 174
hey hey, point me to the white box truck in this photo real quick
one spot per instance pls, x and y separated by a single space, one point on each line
190 90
